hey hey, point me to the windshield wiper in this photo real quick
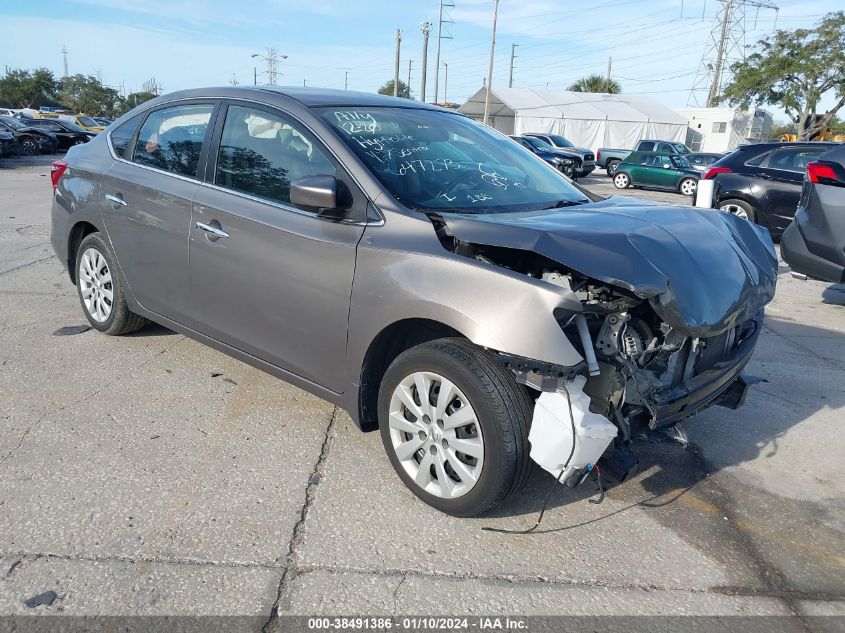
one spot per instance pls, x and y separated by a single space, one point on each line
566 203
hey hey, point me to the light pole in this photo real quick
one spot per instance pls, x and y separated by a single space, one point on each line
445 80
489 83
272 58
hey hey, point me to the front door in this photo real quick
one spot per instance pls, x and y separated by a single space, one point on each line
146 206
267 278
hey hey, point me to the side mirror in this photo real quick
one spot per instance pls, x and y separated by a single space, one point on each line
314 194
667 166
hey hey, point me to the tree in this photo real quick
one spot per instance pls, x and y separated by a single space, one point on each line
387 89
86 94
28 88
135 98
795 70
596 83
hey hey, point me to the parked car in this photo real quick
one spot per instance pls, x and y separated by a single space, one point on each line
585 160
66 133
814 243
701 161
8 145
654 170
762 182
610 158
30 139
559 161
418 270
89 123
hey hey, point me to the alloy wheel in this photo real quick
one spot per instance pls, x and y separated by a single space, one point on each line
96 285
435 434
688 187
737 210
621 180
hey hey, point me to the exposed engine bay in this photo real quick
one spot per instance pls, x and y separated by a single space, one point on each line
644 368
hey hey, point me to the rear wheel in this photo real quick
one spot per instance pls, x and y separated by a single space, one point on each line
688 186
454 424
739 208
100 291
621 181
29 146
612 166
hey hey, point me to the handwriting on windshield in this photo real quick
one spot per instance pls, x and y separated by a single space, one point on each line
479 197
354 122
437 164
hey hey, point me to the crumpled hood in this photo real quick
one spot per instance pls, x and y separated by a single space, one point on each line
702 270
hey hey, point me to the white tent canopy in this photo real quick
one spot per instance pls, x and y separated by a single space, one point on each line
587 119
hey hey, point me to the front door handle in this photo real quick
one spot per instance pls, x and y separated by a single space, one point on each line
213 230
116 200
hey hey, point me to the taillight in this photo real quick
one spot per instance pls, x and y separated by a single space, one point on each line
598 155
56 171
824 173
711 173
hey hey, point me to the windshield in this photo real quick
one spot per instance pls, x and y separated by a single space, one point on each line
681 148
73 127
437 161
681 162
12 123
560 141
538 143
87 120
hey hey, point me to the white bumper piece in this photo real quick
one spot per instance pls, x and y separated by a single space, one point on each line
551 434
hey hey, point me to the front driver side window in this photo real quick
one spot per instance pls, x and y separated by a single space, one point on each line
261 154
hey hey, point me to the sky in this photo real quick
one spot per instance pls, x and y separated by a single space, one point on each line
656 45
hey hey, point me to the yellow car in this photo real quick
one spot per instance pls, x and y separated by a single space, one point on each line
87 123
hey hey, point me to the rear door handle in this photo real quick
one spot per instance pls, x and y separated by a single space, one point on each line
116 200
213 230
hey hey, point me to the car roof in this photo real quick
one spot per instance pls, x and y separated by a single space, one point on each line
776 144
309 97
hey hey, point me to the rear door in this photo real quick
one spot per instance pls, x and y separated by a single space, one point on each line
146 204
267 278
777 182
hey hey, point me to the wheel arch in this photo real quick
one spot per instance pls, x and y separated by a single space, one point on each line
383 349
78 232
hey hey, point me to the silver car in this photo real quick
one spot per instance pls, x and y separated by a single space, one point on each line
419 270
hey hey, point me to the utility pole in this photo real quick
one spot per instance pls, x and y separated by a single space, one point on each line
489 82
440 36
425 29
410 62
609 66
445 80
254 76
713 95
64 55
346 80
396 66
510 76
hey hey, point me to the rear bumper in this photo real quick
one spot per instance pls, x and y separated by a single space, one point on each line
723 384
586 169
793 249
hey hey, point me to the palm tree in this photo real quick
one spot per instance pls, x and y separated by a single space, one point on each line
596 83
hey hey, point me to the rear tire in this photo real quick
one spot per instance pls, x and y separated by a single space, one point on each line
491 411
739 208
100 289
612 166
621 180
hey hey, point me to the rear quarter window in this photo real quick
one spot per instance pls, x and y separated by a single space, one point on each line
121 137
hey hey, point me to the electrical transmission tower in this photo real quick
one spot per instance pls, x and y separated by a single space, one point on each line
444 4
64 55
726 46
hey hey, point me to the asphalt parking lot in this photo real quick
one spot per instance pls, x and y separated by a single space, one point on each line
149 474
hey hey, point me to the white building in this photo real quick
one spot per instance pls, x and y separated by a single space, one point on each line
723 129
590 120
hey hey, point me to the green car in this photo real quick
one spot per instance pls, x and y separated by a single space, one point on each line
656 170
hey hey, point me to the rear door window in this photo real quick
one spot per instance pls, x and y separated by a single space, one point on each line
262 153
171 138
646 146
794 159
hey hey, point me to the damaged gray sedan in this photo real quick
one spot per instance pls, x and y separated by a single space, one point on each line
421 271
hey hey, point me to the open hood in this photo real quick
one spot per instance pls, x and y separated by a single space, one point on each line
703 271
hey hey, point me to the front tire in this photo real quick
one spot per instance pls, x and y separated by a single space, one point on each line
688 186
621 181
455 424
100 291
